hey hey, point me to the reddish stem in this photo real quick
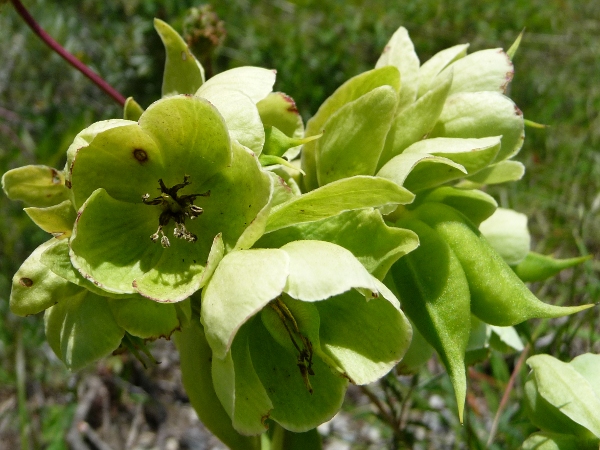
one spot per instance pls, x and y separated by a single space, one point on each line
96 79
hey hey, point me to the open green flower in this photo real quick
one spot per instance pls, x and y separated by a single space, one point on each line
289 327
159 198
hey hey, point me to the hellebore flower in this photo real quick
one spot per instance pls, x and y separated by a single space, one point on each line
152 196
290 327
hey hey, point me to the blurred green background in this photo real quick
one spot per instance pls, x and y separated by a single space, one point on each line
315 45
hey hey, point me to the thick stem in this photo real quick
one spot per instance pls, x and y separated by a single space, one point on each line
96 79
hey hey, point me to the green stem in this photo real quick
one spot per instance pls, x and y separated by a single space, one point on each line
95 78
21 393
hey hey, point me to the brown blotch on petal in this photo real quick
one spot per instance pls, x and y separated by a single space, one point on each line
140 155
68 184
27 282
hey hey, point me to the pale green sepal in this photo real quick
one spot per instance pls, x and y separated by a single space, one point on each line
418 353
351 229
485 70
239 389
505 339
294 407
243 283
83 139
384 336
103 253
256 228
416 121
430 69
400 52
482 114
57 259
506 231
472 154
417 172
254 82
497 173
354 136
537 267
216 254
57 220
144 318
235 93
349 91
109 161
39 186
35 287
196 356
566 389
474 204
183 73
81 329
132 109
357 192
588 365
279 110
557 441
319 270
515 46
192 139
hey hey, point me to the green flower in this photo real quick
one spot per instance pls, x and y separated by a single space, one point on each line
290 327
158 199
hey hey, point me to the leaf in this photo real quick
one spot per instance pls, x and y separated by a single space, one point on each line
485 70
81 329
195 363
343 195
351 229
243 283
566 389
367 338
183 73
354 136
35 287
506 231
537 267
349 91
416 121
57 220
39 186
430 69
319 270
434 293
400 53
482 114
420 171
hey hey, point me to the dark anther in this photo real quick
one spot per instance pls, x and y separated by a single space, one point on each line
177 208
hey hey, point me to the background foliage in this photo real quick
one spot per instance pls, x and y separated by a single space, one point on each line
315 46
